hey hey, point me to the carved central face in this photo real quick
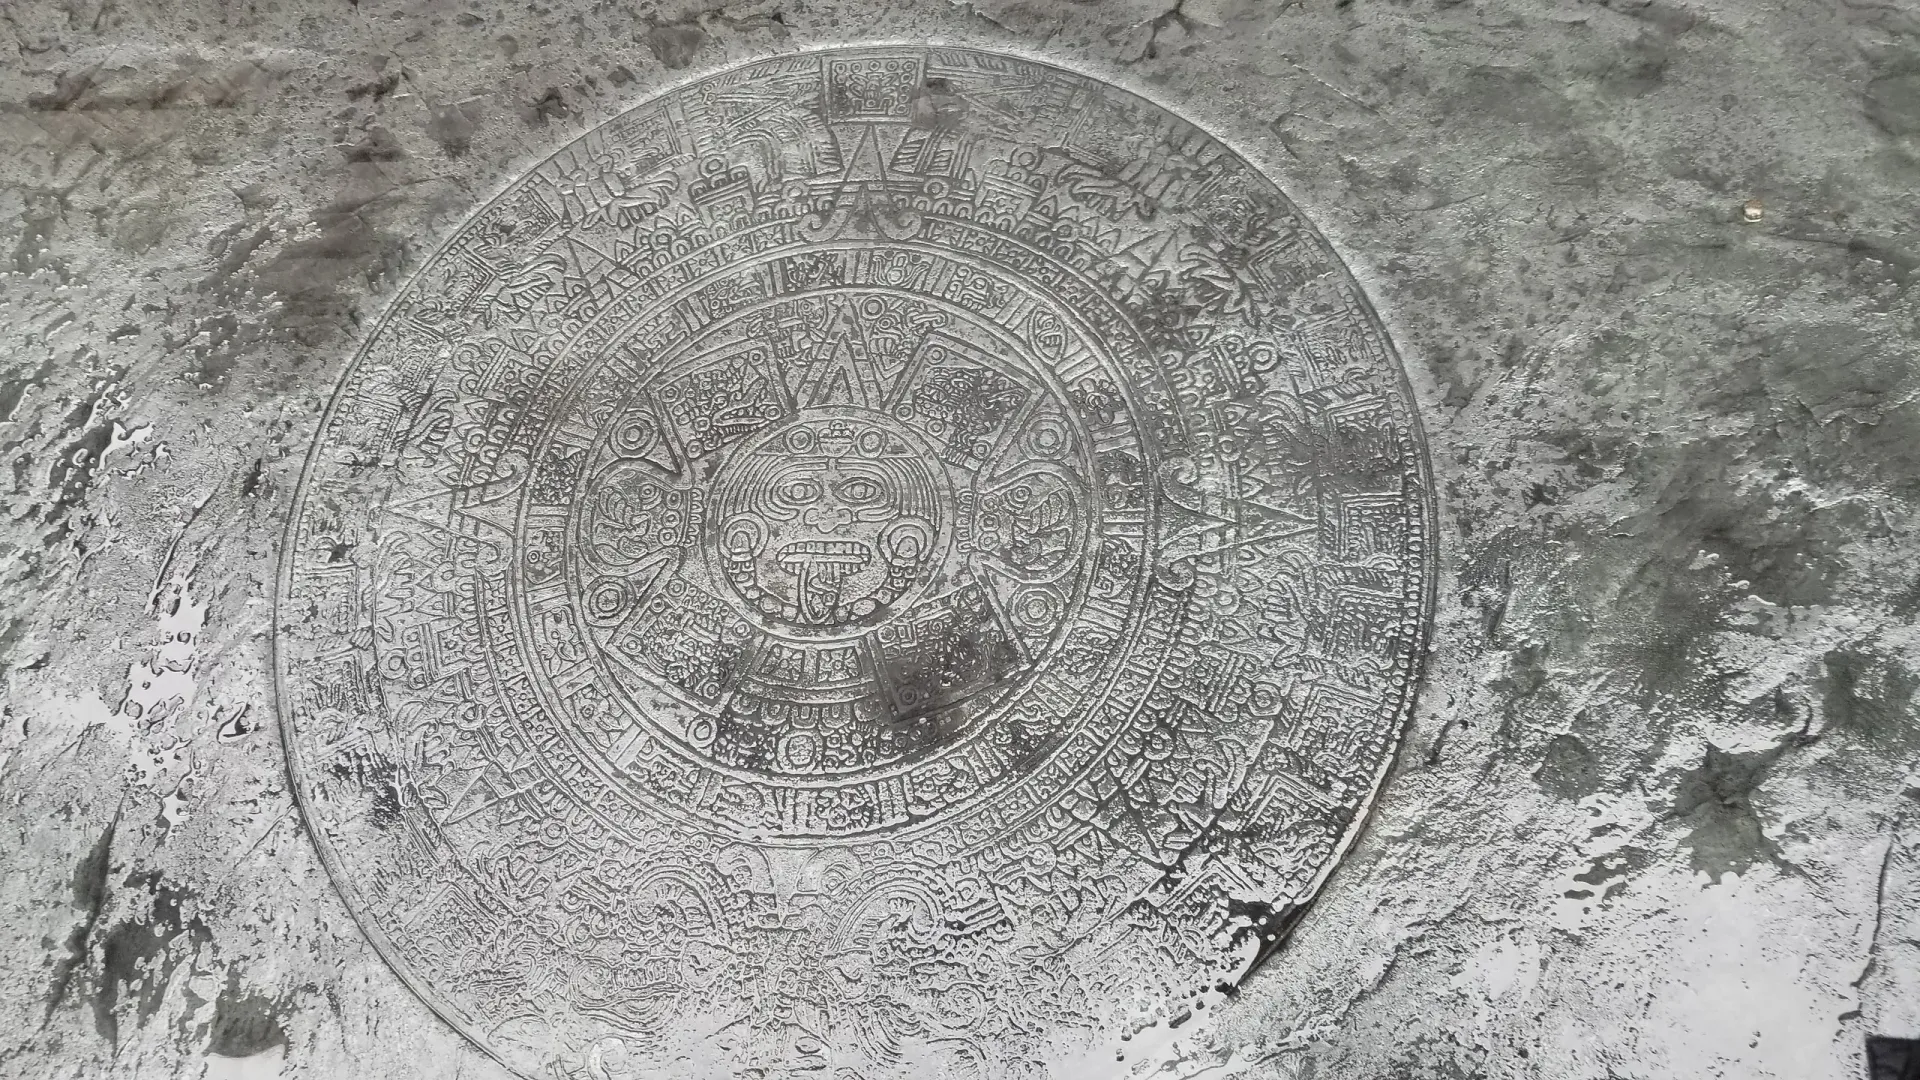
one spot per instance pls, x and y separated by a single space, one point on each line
827 522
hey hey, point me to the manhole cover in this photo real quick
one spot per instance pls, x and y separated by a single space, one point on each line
877 563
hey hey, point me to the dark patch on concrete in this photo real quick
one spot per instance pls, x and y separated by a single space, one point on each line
22 467
77 466
1888 446
1784 548
1609 874
1662 602
194 82
140 956
1906 603
1429 1056
14 390
1890 1058
936 107
1832 368
310 278
1870 700
1716 799
1526 676
1272 926
675 44
1893 104
1902 261
378 779
34 250
11 635
250 483
244 1023
139 229
1788 554
551 105
68 88
1827 403
452 128
1669 19
1661 615
1170 19
1486 580
1640 66
773 22
378 144
232 250
308 275
90 896
1517 97
1570 769
379 87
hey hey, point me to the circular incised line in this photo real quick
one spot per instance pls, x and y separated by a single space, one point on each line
872 563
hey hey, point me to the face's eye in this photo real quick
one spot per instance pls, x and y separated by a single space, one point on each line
858 490
797 491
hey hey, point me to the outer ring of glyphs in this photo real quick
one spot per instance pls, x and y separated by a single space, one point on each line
905 561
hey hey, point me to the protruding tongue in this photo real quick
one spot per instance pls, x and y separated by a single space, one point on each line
821 568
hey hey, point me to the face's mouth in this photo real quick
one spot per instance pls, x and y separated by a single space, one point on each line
821 569
830 556
739 420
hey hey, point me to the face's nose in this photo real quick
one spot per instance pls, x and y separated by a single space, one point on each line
828 516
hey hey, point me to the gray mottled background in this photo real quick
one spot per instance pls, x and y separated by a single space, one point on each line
1659 811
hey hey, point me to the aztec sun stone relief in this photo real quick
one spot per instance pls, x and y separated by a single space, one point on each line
879 563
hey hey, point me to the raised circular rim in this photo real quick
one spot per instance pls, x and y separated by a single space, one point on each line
514 176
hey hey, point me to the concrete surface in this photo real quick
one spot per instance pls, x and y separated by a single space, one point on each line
1650 266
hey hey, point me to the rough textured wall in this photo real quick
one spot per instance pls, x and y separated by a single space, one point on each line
1649 266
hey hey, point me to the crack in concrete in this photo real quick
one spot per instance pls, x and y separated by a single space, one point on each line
90 895
1879 905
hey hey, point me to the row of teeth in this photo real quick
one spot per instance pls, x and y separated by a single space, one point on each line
831 552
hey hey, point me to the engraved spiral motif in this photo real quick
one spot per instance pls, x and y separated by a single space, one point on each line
877 563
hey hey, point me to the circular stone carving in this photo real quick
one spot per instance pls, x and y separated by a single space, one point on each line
877 563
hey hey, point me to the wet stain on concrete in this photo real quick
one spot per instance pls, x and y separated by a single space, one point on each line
244 1023
674 45
138 956
451 128
378 779
90 896
1715 800
1869 699
1570 770
1609 875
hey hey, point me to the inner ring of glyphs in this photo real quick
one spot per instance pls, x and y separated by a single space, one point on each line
869 512
893 561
